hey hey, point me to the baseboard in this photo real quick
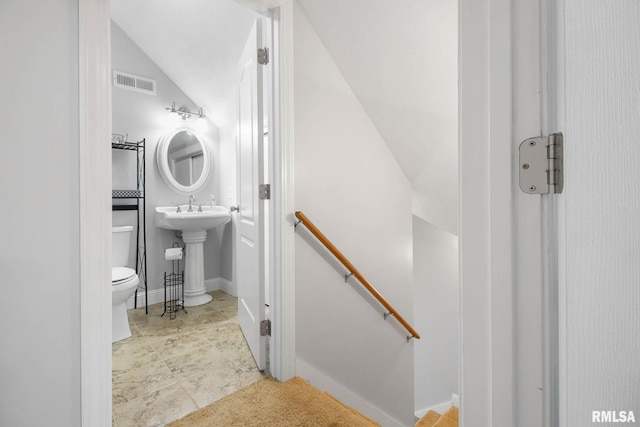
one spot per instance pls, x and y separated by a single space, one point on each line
346 396
225 286
440 408
212 284
156 296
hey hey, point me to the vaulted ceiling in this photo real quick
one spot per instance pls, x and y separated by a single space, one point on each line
400 59
398 56
197 43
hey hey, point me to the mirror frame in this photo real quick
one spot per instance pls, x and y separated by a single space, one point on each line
163 162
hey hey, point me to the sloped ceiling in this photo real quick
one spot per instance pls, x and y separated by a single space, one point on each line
197 43
398 56
400 59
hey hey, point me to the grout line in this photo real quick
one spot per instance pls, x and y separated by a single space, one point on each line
226 305
188 393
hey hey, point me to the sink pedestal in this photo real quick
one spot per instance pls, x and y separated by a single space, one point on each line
194 290
194 226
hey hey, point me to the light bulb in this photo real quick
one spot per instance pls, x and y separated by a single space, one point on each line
172 116
201 124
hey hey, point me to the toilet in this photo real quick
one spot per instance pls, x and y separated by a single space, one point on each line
124 281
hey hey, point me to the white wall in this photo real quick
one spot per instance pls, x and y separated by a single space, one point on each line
408 87
143 116
436 309
348 183
40 327
602 300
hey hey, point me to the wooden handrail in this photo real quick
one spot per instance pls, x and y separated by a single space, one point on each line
354 271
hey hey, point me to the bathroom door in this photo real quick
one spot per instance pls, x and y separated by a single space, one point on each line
250 219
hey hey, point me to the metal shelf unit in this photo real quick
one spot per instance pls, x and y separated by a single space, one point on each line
138 196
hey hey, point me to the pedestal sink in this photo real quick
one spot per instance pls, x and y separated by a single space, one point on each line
194 226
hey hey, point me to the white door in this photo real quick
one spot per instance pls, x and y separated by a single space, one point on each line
600 218
250 219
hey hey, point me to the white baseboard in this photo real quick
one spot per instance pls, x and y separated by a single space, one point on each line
156 296
440 408
212 284
346 396
455 400
225 286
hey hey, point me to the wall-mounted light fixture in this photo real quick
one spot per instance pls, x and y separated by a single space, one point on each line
184 113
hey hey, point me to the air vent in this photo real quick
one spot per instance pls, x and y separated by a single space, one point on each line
135 83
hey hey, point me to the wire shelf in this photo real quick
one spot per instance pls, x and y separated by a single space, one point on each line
127 194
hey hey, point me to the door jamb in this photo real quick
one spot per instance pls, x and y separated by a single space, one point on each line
94 124
499 67
282 254
486 229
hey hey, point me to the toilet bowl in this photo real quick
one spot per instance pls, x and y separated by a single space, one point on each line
124 281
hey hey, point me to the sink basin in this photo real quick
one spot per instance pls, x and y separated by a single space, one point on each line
210 217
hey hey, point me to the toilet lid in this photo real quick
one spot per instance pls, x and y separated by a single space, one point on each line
119 274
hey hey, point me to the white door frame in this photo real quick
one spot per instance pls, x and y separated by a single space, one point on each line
94 122
282 356
503 364
94 117
484 138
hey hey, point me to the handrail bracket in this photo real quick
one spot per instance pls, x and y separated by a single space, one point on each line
352 271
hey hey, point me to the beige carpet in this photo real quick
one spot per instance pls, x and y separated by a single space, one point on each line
429 419
269 402
433 419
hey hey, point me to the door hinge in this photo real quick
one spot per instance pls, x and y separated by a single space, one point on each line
263 56
541 168
265 328
264 191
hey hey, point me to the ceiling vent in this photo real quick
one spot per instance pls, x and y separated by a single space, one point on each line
135 83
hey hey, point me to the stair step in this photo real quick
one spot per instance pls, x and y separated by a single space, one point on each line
353 411
448 419
434 419
429 419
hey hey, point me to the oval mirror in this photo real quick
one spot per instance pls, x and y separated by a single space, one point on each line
184 160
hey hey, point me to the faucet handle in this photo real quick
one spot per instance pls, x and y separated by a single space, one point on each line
235 208
178 210
200 208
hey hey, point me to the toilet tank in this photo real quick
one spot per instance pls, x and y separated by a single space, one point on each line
120 241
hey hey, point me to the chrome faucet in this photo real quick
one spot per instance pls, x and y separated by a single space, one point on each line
192 199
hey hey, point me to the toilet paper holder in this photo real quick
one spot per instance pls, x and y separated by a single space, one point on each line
174 282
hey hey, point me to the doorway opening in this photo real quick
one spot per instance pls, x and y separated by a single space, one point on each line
195 55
